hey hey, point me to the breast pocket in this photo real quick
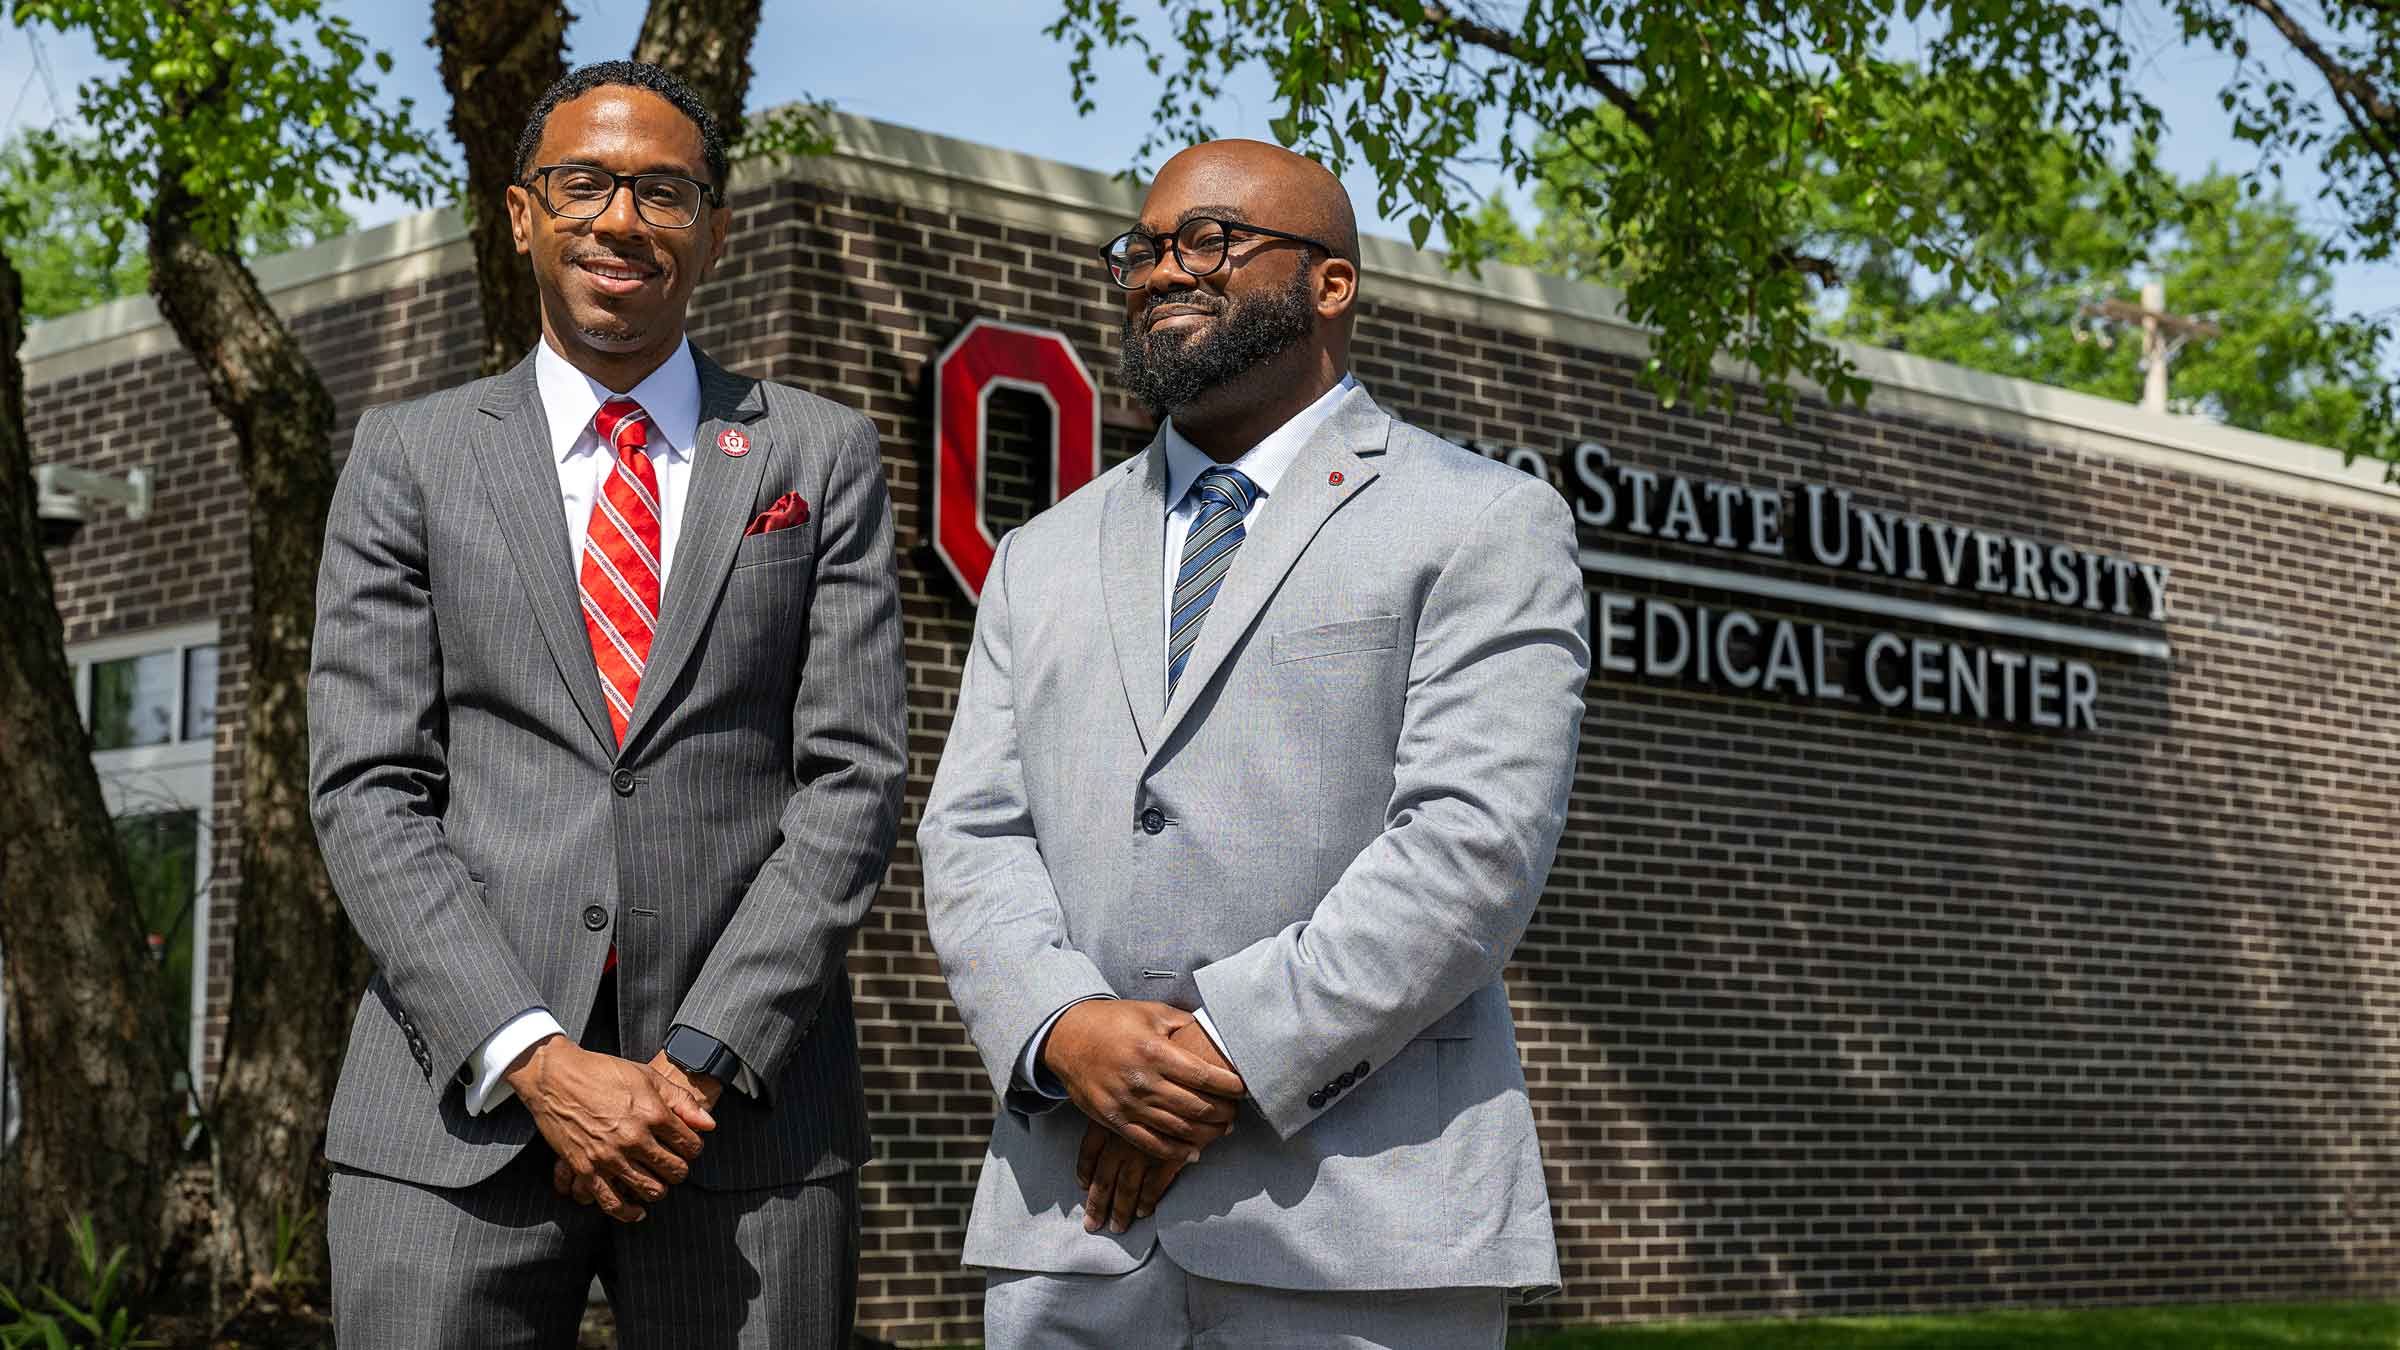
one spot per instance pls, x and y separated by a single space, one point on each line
775 546
1350 635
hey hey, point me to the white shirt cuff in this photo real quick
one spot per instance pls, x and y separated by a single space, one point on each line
485 1087
1209 1028
1029 1068
744 1081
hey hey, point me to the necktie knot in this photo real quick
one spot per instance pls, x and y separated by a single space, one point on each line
623 425
1221 487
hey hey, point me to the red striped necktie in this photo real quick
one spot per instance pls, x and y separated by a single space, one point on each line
620 560
621 572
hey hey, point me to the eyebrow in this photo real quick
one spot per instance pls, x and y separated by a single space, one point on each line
1194 212
666 167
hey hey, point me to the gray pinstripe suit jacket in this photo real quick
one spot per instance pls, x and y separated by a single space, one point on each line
473 806
1333 834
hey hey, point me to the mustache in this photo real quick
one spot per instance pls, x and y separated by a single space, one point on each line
1199 300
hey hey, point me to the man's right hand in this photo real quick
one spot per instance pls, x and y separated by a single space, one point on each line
612 1128
1120 1068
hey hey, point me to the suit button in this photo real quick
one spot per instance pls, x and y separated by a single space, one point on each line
595 918
622 781
1347 1081
1153 820
1359 1072
1316 1100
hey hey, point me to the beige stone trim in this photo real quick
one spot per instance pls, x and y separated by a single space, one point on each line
942 173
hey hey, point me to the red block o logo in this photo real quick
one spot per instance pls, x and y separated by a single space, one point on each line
985 356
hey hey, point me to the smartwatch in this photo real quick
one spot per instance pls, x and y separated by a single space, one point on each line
698 1052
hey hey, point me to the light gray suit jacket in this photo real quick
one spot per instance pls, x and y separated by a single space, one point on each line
1358 786
490 840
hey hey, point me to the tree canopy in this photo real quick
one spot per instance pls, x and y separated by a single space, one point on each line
2287 363
63 245
1687 142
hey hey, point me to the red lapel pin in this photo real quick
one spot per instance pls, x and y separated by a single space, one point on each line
733 442
1334 478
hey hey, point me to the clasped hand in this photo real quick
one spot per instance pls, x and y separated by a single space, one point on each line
623 1132
1156 1091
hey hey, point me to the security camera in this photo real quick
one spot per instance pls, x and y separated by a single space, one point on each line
62 496
61 515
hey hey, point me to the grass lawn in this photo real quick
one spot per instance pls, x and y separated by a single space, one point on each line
2224 1326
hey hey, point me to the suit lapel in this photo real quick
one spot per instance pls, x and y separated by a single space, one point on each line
717 501
1278 532
1133 530
520 475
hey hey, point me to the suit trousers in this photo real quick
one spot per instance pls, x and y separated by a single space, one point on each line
1160 1306
508 1262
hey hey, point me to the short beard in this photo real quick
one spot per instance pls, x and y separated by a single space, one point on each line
1168 370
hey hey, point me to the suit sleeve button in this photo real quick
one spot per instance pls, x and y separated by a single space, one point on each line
1316 1100
622 781
595 918
1153 821
1347 1081
1360 1071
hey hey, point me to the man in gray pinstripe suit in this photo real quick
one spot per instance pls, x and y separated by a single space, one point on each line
605 791
1236 830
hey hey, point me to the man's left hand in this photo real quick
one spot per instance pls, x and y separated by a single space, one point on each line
1120 1182
673 1083
701 1087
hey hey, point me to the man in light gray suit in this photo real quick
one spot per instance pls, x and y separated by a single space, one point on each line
1235 832
609 738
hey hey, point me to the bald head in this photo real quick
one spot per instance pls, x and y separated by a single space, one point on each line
1262 184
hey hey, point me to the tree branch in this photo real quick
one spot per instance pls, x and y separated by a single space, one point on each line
1443 21
2371 114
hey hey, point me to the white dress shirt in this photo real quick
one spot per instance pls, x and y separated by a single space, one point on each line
1264 465
570 399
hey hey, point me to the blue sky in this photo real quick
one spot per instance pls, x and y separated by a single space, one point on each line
983 71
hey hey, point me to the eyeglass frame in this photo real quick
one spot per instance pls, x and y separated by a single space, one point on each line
1160 243
539 185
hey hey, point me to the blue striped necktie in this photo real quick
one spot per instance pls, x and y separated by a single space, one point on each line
1216 535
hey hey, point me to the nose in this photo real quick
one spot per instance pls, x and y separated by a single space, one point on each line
1168 273
620 216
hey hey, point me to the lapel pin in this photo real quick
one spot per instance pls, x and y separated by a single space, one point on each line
733 442
1334 478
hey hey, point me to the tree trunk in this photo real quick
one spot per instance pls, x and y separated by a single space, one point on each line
707 42
497 58
87 1040
298 970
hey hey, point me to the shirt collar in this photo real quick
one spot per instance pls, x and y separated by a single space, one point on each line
1264 463
669 394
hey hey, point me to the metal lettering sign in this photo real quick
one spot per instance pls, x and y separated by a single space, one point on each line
1985 677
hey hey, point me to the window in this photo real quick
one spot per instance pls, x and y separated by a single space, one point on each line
150 700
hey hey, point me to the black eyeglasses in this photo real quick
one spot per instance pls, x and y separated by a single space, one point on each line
669 201
1200 246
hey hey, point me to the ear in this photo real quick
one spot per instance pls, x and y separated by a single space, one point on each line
720 220
1337 287
520 217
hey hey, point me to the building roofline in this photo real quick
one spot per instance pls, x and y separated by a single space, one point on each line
904 163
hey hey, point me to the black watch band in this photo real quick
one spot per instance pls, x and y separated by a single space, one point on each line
698 1052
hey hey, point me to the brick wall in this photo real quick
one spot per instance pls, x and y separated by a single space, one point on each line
1826 1010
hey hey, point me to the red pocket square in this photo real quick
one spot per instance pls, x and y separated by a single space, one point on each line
787 511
